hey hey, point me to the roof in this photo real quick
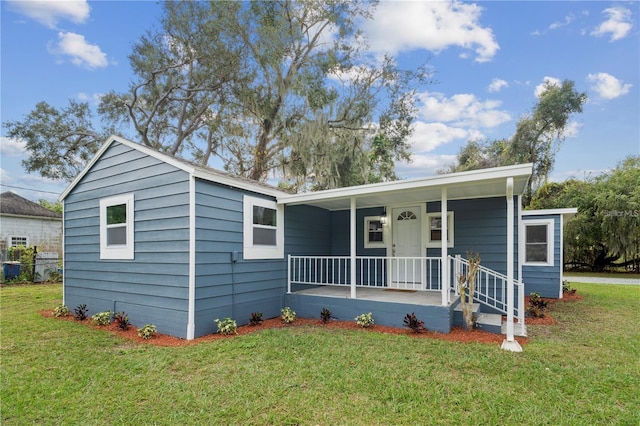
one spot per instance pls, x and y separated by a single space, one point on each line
482 183
201 172
464 185
13 204
565 213
547 212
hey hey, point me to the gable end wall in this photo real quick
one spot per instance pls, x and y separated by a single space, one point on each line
152 288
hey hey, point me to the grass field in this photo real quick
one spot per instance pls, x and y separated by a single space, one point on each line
583 371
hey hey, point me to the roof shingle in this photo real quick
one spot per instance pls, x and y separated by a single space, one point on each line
11 203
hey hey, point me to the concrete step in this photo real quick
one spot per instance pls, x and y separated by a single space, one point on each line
492 323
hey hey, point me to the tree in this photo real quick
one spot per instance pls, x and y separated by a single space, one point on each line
55 207
182 73
537 138
606 230
60 142
265 86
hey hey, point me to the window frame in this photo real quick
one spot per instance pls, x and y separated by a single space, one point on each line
21 237
450 230
117 251
550 224
374 244
261 251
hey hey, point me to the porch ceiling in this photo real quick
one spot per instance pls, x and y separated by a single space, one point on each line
465 185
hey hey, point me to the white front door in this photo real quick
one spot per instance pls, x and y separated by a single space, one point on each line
406 270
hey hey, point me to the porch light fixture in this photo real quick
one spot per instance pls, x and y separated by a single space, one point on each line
383 218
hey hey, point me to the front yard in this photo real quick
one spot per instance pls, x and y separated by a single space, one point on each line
583 370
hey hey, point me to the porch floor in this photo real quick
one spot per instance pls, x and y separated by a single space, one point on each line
411 297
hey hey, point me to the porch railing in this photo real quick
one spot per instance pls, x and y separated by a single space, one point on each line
491 287
406 273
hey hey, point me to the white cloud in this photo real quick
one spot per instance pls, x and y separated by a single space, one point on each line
607 86
12 147
497 84
572 129
82 53
427 136
50 12
618 25
558 24
462 110
424 165
435 26
93 98
546 82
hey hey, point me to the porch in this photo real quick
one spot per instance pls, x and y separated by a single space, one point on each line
391 287
401 235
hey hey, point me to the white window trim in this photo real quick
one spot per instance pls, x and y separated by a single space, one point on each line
550 242
11 237
120 252
252 251
374 244
450 230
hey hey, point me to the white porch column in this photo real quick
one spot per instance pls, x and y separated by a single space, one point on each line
443 248
352 240
510 343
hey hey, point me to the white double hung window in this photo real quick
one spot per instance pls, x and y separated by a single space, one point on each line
116 227
263 229
373 232
538 242
434 230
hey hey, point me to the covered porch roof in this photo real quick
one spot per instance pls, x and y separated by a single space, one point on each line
464 185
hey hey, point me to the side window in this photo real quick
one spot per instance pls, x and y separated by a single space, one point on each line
116 227
538 243
373 232
15 241
434 230
263 229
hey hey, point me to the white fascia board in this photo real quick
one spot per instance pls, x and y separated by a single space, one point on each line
192 170
568 211
110 140
417 183
202 173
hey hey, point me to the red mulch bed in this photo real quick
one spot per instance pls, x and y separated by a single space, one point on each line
457 334
548 319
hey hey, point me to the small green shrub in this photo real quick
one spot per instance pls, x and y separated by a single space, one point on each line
61 311
122 320
255 318
566 287
80 312
102 318
411 321
365 320
147 331
537 306
288 315
227 326
325 315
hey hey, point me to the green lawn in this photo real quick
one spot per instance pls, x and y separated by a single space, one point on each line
585 370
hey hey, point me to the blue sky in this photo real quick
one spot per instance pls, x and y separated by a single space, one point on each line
489 58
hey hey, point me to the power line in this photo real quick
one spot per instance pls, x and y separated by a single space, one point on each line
29 189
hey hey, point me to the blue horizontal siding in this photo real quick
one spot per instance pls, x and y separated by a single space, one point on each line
435 318
223 288
154 286
545 280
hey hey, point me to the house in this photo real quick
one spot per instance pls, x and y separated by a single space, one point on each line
542 263
178 245
25 223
